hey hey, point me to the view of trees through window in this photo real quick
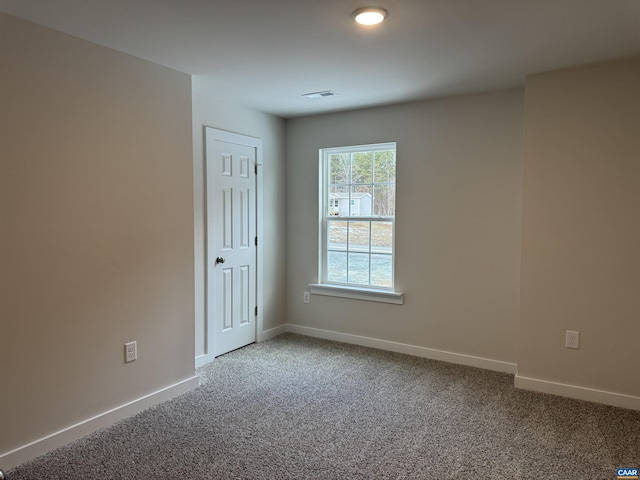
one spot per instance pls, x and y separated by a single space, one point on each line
360 189
368 173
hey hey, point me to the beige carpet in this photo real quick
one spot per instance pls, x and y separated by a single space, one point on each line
302 408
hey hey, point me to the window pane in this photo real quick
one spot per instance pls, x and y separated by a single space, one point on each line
359 236
381 270
359 268
385 167
381 237
337 267
361 200
361 167
338 201
384 200
339 164
337 235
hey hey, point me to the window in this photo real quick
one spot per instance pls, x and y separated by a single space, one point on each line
357 217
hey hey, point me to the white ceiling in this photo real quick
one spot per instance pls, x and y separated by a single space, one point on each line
265 54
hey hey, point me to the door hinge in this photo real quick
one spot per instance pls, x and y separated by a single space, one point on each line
256 241
256 311
255 168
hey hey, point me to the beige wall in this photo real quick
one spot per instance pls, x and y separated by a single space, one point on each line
581 227
96 211
220 114
458 225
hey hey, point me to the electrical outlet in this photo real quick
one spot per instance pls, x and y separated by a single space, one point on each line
572 339
306 297
130 352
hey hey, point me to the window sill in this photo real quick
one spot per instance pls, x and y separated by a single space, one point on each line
369 294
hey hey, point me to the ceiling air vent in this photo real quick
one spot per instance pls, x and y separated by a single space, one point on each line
326 93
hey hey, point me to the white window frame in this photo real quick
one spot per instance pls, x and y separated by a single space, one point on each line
349 290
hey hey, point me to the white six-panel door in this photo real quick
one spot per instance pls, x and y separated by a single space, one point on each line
231 240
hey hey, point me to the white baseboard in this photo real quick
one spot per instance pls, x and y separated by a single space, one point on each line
272 332
43 445
204 359
579 393
458 358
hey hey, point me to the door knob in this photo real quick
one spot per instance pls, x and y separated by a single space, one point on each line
219 260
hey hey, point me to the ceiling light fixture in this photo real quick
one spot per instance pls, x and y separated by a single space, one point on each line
325 93
369 16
